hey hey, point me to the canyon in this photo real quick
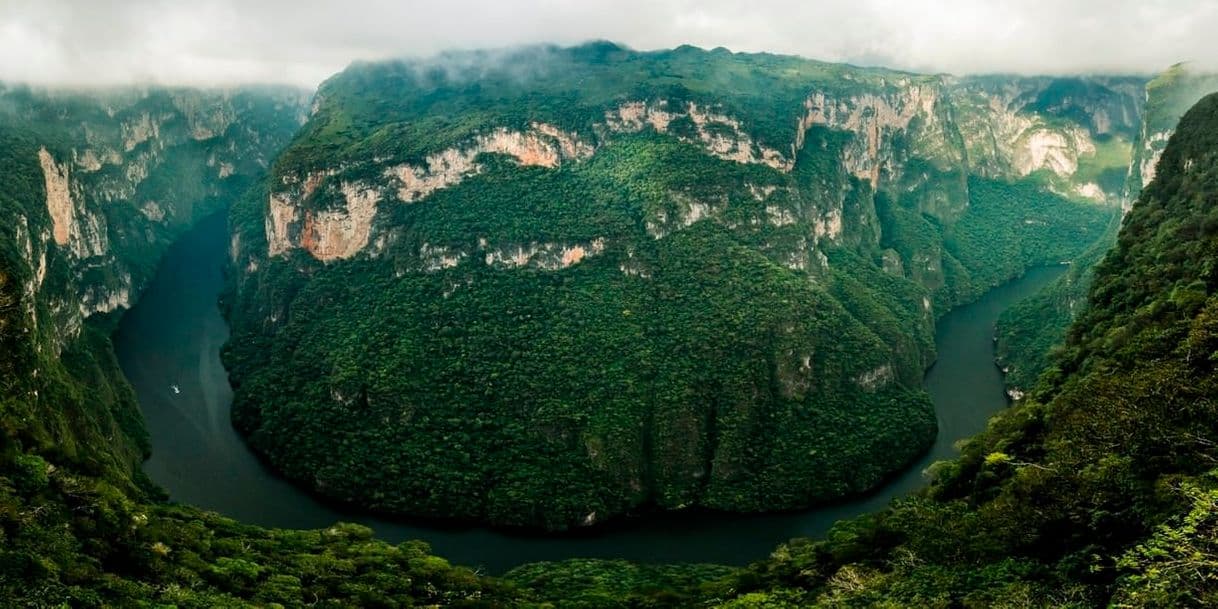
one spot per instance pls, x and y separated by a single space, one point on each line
837 219
711 291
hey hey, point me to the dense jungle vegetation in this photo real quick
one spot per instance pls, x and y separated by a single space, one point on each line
742 343
1030 331
1098 490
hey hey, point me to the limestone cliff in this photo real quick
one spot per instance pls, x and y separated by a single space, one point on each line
654 278
1168 96
914 137
122 173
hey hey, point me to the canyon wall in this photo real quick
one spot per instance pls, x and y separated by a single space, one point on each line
657 291
98 184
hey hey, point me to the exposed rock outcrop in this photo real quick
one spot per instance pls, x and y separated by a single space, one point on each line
74 227
542 146
341 233
105 299
439 257
873 380
140 130
874 120
59 198
1056 150
719 134
282 213
543 256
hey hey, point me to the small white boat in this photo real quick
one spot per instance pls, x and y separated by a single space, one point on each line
175 389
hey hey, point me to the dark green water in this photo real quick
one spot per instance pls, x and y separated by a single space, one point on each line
173 338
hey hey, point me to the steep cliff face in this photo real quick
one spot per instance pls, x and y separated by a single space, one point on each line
1119 438
1072 134
97 184
1029 331
914 138
1168 96
568 272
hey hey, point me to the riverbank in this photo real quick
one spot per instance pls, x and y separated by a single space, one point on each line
172 338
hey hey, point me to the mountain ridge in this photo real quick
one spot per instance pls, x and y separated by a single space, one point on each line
863 202
81 528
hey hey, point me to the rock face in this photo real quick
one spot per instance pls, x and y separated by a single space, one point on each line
78 230
719 134
332 234
1052 150
1168 96
122 173
544 256
542 146
1001 128
874 120
59 200
281 213
665 279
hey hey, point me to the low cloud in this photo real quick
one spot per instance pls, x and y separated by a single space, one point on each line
200 42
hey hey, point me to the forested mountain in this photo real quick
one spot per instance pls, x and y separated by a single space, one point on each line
97 185
548 286
1030 330
1097 490
741 211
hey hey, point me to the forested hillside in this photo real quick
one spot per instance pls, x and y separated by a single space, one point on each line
97 185
1097 490
1030 331
549 286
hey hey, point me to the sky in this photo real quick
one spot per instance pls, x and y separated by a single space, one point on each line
217 42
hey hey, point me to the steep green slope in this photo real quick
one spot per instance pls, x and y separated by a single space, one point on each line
1030 330
550 286
97 184
1094 492
1098 490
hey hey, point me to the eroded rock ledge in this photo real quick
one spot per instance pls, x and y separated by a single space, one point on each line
954 127
720 135
344 231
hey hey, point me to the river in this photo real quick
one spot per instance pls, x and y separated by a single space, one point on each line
169 343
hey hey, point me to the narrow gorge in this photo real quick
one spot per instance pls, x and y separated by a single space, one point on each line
588 302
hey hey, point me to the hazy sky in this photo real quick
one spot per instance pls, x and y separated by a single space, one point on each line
304 41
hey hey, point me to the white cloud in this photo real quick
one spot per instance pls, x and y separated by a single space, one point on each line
228 41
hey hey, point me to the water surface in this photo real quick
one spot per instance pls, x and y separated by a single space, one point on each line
169 345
